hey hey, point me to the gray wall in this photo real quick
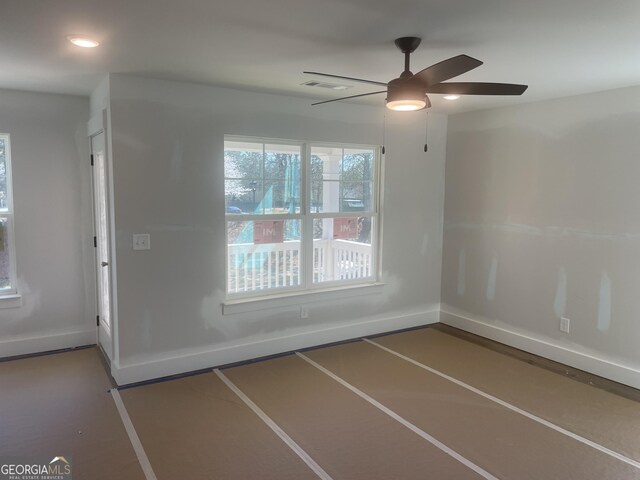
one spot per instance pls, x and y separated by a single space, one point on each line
167 148
53 226
541 221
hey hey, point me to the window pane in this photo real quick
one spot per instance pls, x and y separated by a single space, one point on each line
341 180
342 249
5 271
262 179
326 164
333 196
3 176
242 160
263 255
356 197
243 196
281 197
281 160
357 165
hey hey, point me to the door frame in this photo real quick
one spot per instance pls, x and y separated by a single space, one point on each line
95 126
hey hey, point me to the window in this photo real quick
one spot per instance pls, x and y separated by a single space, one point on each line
299 215
7 249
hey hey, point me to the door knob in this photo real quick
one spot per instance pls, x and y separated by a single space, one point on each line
104 264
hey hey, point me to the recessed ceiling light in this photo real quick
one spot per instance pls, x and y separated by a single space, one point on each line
451 97
81 41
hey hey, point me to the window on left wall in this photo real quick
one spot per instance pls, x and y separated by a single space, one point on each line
7 248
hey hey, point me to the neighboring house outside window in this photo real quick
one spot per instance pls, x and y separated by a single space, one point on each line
300 216
7 249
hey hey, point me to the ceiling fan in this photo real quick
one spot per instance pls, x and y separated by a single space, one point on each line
409 92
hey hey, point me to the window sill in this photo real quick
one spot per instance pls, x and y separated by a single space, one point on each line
11 300
231 307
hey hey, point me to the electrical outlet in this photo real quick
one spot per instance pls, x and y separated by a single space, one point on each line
564 324
141 241
304 312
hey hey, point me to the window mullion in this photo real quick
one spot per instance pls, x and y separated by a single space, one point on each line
307 234
341 180
379 203
262 186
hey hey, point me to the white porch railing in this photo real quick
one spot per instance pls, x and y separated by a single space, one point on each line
257 267
341 260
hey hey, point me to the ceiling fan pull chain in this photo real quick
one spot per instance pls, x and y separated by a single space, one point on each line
426 130
384 128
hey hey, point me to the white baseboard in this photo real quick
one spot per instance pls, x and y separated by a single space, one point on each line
162 367
598 365
26 346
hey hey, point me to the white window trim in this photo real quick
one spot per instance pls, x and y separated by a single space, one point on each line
284 300
10 301
308 291
9 298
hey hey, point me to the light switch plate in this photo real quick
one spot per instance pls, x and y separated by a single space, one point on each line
141 241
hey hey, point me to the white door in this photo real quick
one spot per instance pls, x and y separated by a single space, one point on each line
101 241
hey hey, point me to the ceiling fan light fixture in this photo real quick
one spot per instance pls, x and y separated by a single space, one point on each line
409 105
403 97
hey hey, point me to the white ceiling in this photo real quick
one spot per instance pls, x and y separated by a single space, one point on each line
557 47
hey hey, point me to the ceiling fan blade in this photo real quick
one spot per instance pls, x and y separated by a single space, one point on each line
345 98
473 88
446 69
373 82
